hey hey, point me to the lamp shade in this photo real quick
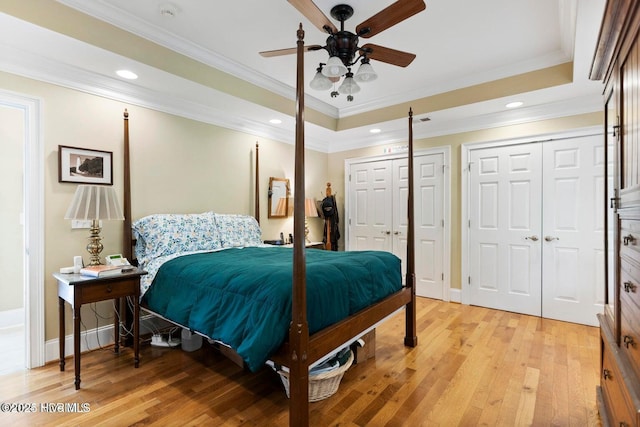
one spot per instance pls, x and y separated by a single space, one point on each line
310 208
94 202
334 67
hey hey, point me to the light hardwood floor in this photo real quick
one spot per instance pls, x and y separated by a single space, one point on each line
473 366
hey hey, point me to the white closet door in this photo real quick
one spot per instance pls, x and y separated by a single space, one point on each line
378 197
429 223
505 221
399 211
370 200
573 243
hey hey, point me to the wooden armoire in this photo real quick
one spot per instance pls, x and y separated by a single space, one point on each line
617 64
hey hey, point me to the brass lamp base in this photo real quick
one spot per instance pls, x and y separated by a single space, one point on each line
94 247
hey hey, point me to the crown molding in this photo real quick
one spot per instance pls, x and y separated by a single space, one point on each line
116 17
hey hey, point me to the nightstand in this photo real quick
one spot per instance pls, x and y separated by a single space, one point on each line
308 245
315 245
77 290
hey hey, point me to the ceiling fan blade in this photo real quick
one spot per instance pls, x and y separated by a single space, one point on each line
389 16
390 56
309 9
289 51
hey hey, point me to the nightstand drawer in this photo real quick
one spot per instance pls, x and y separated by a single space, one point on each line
109 289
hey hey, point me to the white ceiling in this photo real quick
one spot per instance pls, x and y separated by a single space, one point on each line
458 43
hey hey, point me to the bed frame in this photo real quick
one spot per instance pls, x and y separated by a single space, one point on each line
303 349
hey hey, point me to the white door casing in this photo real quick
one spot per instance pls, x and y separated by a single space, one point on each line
33 223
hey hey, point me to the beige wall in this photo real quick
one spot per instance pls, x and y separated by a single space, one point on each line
178 165
11 200
336 165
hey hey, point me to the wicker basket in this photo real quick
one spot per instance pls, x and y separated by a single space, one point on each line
321 385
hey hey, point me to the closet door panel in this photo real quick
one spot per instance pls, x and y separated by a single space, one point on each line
370 215
573 224
505 221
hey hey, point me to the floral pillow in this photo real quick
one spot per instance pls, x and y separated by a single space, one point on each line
165 234
238 230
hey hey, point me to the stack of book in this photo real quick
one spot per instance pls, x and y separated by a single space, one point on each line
101 270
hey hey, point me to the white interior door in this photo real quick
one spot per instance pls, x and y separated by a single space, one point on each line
429 223
505 221
573 243
370 196
536 242
378 210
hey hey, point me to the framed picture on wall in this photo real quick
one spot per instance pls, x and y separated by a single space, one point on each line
84 166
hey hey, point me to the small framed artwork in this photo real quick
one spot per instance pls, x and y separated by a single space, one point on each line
84 166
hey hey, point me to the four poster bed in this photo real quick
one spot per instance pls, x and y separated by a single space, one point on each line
365 288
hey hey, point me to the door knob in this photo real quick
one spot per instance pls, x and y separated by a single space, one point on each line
551 238
532 238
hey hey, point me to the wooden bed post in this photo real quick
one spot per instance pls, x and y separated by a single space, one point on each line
127 250
257 189
299 328
411 338
126 317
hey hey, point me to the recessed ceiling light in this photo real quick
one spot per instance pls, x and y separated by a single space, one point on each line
126 74
275 121
375 130
514 104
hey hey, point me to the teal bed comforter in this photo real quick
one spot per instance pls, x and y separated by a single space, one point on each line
242 296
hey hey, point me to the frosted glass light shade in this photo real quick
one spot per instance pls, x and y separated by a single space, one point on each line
365 73
320 82
349 86
94 202
334 67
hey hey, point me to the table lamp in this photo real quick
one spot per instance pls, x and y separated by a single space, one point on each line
95 203
309 211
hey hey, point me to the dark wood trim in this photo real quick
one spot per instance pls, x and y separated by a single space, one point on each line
257 188
614 20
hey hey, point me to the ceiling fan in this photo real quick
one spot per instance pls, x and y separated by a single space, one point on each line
342 46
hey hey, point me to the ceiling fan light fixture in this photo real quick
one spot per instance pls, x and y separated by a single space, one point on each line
320 81
334 67
365 72
349 85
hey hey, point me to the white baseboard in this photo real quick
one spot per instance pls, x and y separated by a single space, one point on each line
96 338
9 318
455 295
